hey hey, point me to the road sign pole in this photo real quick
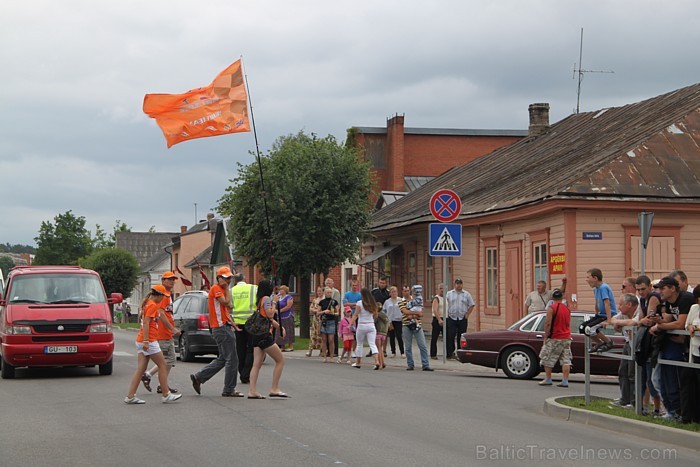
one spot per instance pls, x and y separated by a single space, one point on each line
645 220
444 309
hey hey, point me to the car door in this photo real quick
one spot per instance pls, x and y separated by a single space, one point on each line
537 335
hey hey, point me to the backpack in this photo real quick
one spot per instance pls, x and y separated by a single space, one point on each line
258 325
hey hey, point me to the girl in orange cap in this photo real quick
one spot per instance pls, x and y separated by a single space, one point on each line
148 348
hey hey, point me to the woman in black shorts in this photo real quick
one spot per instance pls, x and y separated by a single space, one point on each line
266 345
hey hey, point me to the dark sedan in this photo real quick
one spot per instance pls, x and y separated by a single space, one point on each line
515 350
191 315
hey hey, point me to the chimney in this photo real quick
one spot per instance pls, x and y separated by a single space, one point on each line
183 229
210 216
539 119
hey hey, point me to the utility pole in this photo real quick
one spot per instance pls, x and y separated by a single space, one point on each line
195 214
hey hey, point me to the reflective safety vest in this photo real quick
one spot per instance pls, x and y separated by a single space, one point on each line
243 298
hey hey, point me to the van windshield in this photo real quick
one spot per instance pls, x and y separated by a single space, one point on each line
56 289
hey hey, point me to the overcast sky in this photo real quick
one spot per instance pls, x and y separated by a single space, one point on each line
74 74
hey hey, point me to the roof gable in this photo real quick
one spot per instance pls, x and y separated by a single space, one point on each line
586 154
143 245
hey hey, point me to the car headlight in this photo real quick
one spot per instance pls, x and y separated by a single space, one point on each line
19 329
104 327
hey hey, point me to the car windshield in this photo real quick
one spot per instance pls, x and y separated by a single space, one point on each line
56 289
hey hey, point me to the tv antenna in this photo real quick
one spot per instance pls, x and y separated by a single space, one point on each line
581 71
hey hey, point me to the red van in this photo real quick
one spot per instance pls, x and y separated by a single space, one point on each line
55 316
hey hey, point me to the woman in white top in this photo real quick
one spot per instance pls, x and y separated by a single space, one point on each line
437 320
393 311
366 311
690 377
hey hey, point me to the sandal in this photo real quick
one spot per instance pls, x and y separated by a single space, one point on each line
257 396
232 394
279 394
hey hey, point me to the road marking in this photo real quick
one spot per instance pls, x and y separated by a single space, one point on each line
118 353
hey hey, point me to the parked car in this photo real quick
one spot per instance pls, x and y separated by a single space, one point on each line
55 316
191 315
516 350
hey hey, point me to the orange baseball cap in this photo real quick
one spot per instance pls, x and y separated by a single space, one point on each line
169 275
161 290
224 272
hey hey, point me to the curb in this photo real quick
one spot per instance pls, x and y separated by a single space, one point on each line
651 431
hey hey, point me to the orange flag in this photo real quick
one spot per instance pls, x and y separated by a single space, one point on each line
218 109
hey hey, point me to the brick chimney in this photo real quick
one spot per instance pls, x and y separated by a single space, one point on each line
183 229
210 216
395 153
539 119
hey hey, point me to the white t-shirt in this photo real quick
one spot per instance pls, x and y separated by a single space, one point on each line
694 319
363 316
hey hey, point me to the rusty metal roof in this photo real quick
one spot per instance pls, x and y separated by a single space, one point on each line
649 150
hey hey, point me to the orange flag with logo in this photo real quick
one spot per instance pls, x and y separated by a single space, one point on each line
218 109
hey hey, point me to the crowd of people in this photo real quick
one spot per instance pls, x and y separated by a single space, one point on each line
382 319
652 310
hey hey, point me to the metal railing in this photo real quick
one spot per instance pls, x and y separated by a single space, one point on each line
638 383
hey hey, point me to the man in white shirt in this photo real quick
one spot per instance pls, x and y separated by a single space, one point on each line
460 305
537 300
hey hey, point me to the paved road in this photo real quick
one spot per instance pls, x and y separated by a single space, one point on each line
338 415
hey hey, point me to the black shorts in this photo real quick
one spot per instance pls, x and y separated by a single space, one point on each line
597 319
263 341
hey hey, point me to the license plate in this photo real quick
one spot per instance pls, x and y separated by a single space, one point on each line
61 349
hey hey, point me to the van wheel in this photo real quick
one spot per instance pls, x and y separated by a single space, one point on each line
185 354
106 369
8 371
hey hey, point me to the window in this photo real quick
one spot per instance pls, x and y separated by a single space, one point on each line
539 262
348 280
292 285
412 279
492 277
429 276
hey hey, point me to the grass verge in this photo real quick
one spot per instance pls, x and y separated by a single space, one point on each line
602 405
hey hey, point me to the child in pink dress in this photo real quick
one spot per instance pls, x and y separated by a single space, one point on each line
347 334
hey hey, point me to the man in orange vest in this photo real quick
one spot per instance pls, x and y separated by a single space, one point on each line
222 327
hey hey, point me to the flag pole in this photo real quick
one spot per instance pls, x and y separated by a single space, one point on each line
262 180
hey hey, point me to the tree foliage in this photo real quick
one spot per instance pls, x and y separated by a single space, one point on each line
7 248
63 242
118 268
317 194
6 264
101 240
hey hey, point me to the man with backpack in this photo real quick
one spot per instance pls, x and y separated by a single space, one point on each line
557 344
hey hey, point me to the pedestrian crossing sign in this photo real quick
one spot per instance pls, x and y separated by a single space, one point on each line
445 239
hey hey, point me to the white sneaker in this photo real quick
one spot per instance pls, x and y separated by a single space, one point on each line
133 400
171 398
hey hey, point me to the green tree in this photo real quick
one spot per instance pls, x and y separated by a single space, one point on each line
317 194
63 242
101 240
119 269
6 264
